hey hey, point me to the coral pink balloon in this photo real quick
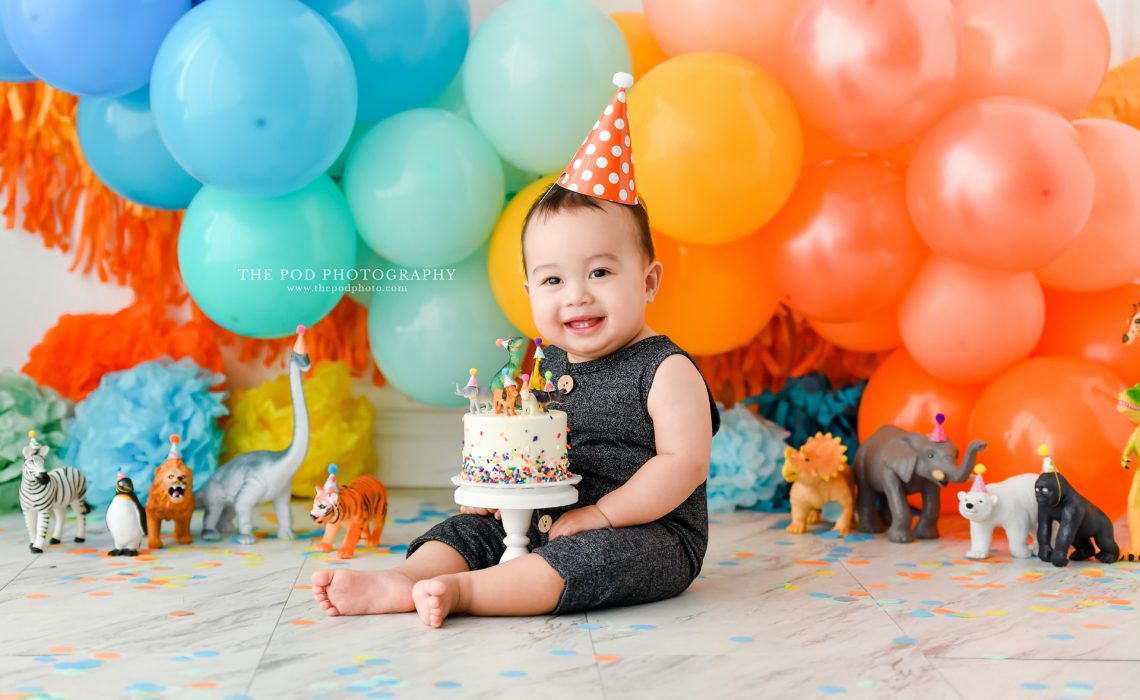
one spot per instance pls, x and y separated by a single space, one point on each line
843 244
1092 326
1052 51
877 332
872 75
1106 253
1002 183
965 324
747 28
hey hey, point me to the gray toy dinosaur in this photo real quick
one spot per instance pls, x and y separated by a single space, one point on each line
265 475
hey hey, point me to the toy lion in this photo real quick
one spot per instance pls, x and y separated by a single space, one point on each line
171 498
819 475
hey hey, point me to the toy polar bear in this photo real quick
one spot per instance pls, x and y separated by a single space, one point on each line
1010 504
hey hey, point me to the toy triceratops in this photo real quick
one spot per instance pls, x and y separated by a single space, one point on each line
819 475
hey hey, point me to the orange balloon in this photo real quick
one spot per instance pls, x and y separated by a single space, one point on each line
1051 51
1091 326
819 147
713 298
1105 254
902 393
504 259
876 333
1002 183
642 46
1068 404
844 246
750 29
872 75
966 325
718 147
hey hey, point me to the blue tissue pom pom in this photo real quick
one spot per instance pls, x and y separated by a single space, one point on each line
126 423
747 456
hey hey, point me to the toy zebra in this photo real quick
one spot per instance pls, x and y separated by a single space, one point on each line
43 493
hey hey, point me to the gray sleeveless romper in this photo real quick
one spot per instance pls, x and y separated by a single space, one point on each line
611 436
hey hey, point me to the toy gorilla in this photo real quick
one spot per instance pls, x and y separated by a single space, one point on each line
1082 523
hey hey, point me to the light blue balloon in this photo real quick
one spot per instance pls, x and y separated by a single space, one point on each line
257 266
336 170
103 48
425 188
425 339
122 146
254 96
405 51
11 69
537 76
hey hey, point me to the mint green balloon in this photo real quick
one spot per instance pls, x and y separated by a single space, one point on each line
425 339
425 188
538 75
254 265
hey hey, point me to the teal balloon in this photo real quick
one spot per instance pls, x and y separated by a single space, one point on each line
425 188
255 266
254 96
405 51
121 144
367 262
425 339
537 76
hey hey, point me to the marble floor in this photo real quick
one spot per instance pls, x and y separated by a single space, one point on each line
772 616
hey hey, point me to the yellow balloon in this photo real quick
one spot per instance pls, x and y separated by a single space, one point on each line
504 260
713 298
642 46
718 146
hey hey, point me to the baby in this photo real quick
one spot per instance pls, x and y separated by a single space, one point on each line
641 421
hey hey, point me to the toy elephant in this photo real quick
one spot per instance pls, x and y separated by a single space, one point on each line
894 463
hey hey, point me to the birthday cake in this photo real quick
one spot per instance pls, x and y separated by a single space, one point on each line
511 435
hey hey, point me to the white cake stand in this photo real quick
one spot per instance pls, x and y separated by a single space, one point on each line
516 504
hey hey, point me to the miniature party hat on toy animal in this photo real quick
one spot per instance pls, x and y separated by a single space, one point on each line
894 463
265 475
1084 527
44 494
361 506
171 498
819 475
126 519
479 397
1008 504
1128 403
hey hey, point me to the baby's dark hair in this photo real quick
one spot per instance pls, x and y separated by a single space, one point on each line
558 199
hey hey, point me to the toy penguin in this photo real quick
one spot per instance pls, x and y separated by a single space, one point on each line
126 519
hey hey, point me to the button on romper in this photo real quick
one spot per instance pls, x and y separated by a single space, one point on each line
611 437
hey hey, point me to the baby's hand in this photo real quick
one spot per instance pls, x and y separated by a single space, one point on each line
579 520
468 510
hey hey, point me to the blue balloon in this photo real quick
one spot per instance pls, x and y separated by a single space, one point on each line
122 146
259 267
254 96
427 336
11 69
425 187
102 49
405 51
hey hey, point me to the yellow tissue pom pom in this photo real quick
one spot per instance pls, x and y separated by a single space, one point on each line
340 425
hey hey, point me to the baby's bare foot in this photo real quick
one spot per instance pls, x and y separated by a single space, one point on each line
347 592
435 598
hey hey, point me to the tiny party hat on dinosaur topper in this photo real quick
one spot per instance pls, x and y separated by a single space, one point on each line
1047 464
299 344
603 165
979 483
538 353
939 433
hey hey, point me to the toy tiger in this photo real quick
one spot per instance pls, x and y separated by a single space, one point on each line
361 506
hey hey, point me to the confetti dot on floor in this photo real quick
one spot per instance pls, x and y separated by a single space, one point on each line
181 659
61 650
447 684
302 621
743 639
145 688
1061 637
37 596
921 613
996 613
180 613
643 627
831 690
1034 686
512 674
238 697
904 640
207 654
606 659
106 655
589 626
867 683
99 594
203 684
562 652
819 594
346 670
376 662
